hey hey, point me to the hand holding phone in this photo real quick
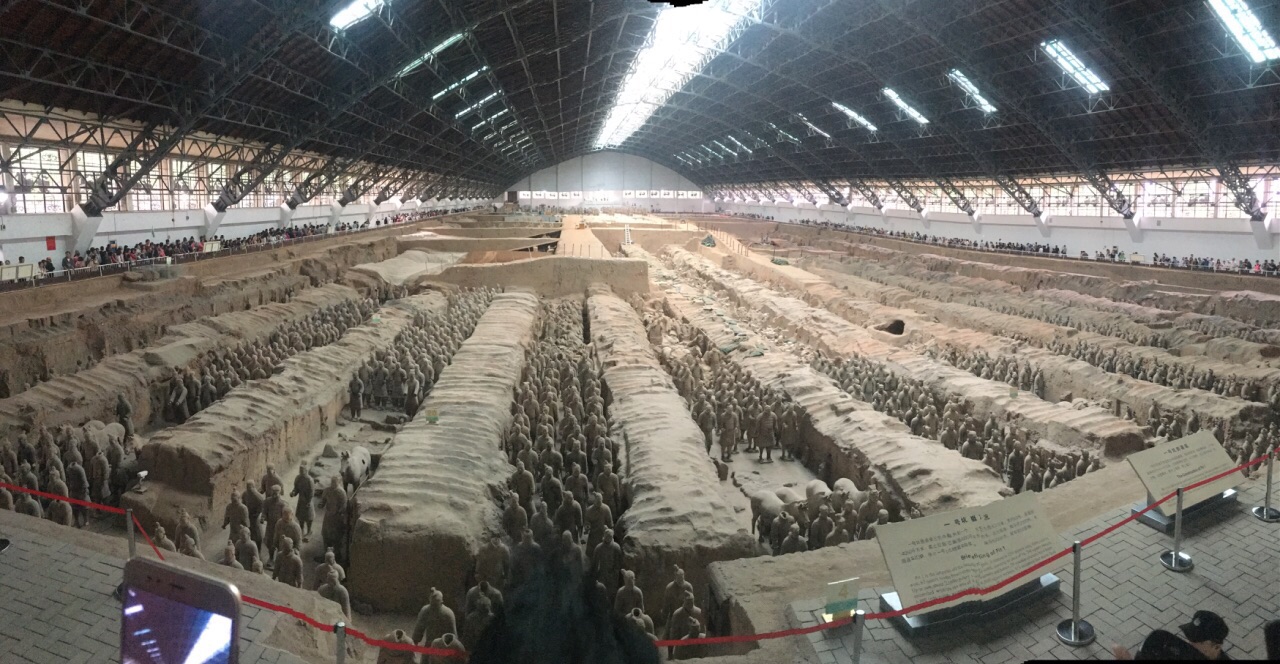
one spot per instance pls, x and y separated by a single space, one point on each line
174 616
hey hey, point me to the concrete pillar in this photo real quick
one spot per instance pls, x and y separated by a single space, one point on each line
1262 236
335 214
1134 226
83 229
286 215
212 221
1042 223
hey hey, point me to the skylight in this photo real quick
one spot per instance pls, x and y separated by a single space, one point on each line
739 144
906 108
1073 67
460 83
812 126
722 147
683 40
1247 29
476 105
971 90
355 12
408 69
866 124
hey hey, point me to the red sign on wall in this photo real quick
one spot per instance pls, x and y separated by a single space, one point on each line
51 243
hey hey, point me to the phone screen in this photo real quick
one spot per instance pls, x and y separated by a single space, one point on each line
158 630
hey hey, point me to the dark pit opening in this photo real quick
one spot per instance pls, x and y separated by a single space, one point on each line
893 327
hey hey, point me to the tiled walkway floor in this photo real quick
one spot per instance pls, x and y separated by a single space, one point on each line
1126 594
56 605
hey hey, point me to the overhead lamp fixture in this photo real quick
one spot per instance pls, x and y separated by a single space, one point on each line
904 106
460 83
476 105
409 68
1244 25
812 126
722 147
355 12
506 126
783 134
972 90
739 144
682 41
1074 67
866 124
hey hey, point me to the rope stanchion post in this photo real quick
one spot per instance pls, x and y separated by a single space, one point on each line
133 535
340 645
859 621
1075 632
1265 512
1175 560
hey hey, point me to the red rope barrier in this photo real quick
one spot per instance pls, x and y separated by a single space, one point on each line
711 640
65 499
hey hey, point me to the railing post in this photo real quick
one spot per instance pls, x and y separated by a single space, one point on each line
1265 512
859 618
133 535
340 632
1075 632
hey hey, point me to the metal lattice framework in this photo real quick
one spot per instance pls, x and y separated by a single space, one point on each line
285 102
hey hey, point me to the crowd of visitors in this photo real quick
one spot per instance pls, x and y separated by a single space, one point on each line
114 253
1113 254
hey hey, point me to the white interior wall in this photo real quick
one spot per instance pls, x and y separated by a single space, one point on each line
612 173
24 235
1214 238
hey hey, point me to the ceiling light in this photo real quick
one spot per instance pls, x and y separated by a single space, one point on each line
971 90
812 126
464 80
784 135
476 105
409 68
354 13
1247 29
1073 67
682 41
739 144
722 147
906 108
856 117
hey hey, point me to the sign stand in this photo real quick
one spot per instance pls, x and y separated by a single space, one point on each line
1155 519
1175 559
968 613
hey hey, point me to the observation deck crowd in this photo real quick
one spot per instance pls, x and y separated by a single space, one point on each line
1113 254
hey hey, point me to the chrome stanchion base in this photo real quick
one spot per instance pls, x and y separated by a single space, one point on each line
1180 564
1076 634
1266 514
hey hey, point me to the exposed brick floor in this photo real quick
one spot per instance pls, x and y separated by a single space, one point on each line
1126 593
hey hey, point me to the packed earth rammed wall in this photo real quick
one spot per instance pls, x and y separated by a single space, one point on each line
198 464
432 507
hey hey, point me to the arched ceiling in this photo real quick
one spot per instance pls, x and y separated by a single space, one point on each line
519 85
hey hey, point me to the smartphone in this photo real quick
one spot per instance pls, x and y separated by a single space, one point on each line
174 616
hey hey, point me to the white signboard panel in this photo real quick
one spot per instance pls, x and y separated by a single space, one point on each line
1165 468
654 193
524 194
575 195
943 554
628 193
667 193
